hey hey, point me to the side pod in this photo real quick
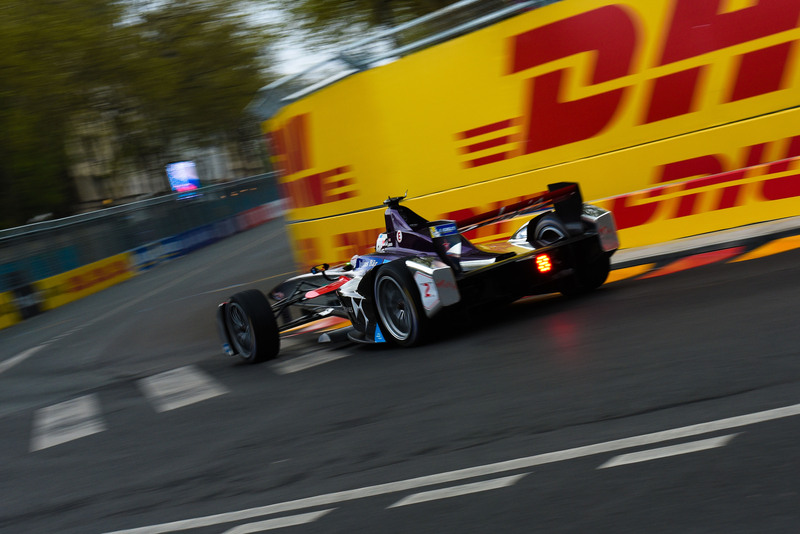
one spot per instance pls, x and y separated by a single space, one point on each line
435 282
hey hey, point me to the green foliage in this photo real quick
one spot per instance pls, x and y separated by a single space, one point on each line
332 20
193 67
155 75
44 77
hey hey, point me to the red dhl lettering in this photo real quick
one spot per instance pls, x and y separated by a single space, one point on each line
308 252
610 32
611 37
320 188
345 245
350 244
289 145
97 275
702 26
729 188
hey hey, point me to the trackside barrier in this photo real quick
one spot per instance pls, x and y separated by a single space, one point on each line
151 254
81 282
623 96
9 313
58 290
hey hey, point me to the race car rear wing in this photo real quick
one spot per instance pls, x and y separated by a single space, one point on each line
564 197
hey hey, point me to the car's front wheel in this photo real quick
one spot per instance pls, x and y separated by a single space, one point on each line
251 326
401 316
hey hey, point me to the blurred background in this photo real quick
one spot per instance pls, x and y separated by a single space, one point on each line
135 125
98 96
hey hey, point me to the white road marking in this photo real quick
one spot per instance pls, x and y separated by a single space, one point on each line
179 387
665 452
281 522
457 491
67 333
307 361
471 472
19 358
66 421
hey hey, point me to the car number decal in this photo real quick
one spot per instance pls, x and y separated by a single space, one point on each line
427 290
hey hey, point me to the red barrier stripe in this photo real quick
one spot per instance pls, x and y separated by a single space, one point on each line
698 260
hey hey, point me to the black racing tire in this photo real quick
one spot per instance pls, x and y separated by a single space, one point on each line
399 308
587 278
547 230
596 273
251 326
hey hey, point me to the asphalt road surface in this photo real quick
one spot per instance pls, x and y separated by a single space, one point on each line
666 404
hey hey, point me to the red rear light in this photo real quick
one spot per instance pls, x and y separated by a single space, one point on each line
543 263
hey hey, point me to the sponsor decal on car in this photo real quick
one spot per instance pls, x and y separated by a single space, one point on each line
379 335
428 291
444 229
365 263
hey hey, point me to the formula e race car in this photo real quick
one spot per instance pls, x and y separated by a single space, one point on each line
420 270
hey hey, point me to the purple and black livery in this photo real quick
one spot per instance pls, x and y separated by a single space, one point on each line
421 269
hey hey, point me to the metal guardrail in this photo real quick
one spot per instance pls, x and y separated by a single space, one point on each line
454 20
38 251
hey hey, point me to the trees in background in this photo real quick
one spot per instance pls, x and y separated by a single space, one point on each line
146 77
48 52
334 20
106 88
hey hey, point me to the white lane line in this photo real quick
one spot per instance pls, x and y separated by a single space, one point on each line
666 452
457 491
307 361
67 333
470 472
19 358
281 522
179 387
66 421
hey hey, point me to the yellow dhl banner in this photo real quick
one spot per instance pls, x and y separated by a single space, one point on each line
9 314
721 178
83 281
620 96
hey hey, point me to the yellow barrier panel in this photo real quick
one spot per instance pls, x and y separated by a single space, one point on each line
619 96
9 314
83 281
748 181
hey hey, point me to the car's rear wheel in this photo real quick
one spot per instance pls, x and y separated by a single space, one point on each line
549 230
400 313
251 326
587 277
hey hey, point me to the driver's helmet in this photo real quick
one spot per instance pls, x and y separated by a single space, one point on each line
382 242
